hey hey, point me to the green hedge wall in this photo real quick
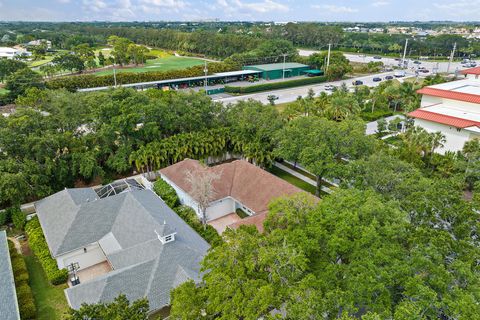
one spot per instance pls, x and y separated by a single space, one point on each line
73 83
40 248
26 304
275 85
166 192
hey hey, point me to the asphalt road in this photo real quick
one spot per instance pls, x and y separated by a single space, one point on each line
432 66
291 94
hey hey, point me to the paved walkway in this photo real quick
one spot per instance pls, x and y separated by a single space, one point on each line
301 177
373 126
220 224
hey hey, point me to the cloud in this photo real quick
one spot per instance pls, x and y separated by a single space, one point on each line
63 1
164 4
460 8
380 3
232 6
335 9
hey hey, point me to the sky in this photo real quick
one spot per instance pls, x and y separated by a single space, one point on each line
235 10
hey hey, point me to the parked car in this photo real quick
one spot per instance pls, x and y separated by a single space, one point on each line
388 69
399 74
417 62
357 83
424 70
377 57
330 87
388 77
377 79
472 65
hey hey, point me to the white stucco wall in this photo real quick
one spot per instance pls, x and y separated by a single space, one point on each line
87 259
454 139
220 208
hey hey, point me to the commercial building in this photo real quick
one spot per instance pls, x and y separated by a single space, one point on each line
121 239
472 73
274 71
8 296
240 186
453 108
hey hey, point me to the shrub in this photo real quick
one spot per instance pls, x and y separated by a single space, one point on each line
26 304
208 232
275 85
377 114
4 217
73 83
166 192
18 217
40 248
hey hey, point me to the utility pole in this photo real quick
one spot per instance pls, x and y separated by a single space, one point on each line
404 53
284 57
451 57
328 57
205 69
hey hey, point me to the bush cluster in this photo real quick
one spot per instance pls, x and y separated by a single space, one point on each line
26 303
275 85
375 115
73 83
40 248
168 194
18 217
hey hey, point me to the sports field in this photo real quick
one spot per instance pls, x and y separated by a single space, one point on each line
159 64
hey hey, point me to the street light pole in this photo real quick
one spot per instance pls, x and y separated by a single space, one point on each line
328 57
451 57
284 57
404 53
114 75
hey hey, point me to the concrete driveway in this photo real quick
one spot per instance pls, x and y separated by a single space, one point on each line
220 224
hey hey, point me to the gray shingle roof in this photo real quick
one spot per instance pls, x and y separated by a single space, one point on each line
127 223
8 295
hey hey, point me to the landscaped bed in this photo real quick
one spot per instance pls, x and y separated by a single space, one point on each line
50 300
293 180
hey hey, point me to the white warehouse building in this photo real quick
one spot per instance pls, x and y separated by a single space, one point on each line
453 108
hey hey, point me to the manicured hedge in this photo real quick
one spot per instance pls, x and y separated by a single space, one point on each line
25 300
169 195
166 192
207 232
375 115
275 85
40 248
73 83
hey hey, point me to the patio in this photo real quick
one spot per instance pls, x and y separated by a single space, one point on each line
222 223
92 272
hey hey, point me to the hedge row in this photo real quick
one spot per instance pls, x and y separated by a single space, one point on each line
375 115
73 83
25 300
275 85
40 248
169 195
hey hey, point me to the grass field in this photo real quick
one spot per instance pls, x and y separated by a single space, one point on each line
38 63
160 64
3 91
291 179
50 300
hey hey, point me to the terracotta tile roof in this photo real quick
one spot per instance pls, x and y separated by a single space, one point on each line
449 94
256 220
475 70
245 182
444 119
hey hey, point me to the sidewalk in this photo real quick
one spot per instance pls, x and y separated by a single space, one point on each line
301 177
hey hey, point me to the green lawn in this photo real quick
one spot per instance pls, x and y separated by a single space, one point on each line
160 64
3 91
37 63
50 300
293 180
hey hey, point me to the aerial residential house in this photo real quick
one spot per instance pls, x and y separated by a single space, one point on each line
241 185
453 108
120 240
9 53
39 42
8 296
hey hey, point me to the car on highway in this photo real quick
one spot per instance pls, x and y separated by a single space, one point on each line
399 74
357 82
423 70
388 77
417 62
330 87
377 57
377 79
472 65
388 69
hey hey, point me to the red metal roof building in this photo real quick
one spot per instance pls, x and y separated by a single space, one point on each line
453 108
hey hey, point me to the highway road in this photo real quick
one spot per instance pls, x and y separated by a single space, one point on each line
291 94
390 62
